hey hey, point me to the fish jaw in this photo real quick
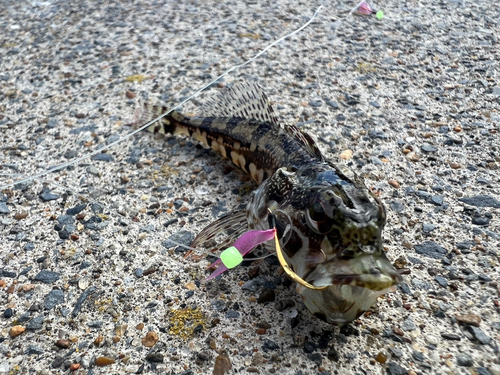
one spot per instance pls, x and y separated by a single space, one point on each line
353 286
340 304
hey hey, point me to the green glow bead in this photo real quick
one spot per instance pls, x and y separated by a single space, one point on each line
231 257
380 15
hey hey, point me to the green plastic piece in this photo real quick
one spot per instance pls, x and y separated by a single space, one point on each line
380 15
231 257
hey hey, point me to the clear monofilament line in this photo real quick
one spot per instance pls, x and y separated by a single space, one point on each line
131 134
95 152
39 176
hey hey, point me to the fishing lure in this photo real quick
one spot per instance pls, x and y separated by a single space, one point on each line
328 224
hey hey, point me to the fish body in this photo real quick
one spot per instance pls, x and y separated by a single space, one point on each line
329 223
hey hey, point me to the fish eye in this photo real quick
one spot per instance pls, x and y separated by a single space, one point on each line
317 212
317 219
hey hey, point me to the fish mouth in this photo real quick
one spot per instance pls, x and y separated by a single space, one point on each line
373 272
369 281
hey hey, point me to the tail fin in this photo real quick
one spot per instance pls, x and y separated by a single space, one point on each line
144 113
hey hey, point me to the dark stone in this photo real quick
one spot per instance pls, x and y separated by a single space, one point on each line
428 148
418 356
374 104
464 360
46 195
266 296
332 104
333 354
397 206
64 234
316 103
57 362
33 349
24 317
431 249
3 208
316 358
53 298
252 285
482 371
65 219
479 335
269 345
70 154
94 223
309 347
30 246
103 157
47 277
484 278
428 228
437 200
441 281
481 201
183 237
8 313
95 324
466 245
396 351
155 357
9 274
349 330
377 134
395 369
440 314
35 323
86 293
481 220
76 210
231 314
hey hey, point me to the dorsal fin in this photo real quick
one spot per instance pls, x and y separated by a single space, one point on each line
244 100
305 139
247 100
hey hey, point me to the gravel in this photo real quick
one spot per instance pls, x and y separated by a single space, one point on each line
414 96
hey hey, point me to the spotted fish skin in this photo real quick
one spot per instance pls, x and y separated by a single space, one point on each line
329 223
257 147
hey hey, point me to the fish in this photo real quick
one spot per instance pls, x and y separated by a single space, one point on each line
329 223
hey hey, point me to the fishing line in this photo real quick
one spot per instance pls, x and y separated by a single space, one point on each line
214 81
85 199
39 176
95 152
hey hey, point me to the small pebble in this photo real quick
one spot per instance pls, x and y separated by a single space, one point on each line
450 336
62 343
470 319
346 154
155 357
150 339
104 361
74 366
222 365
381 358
266 296
16 331
464 359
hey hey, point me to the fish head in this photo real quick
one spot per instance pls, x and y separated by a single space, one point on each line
335 242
